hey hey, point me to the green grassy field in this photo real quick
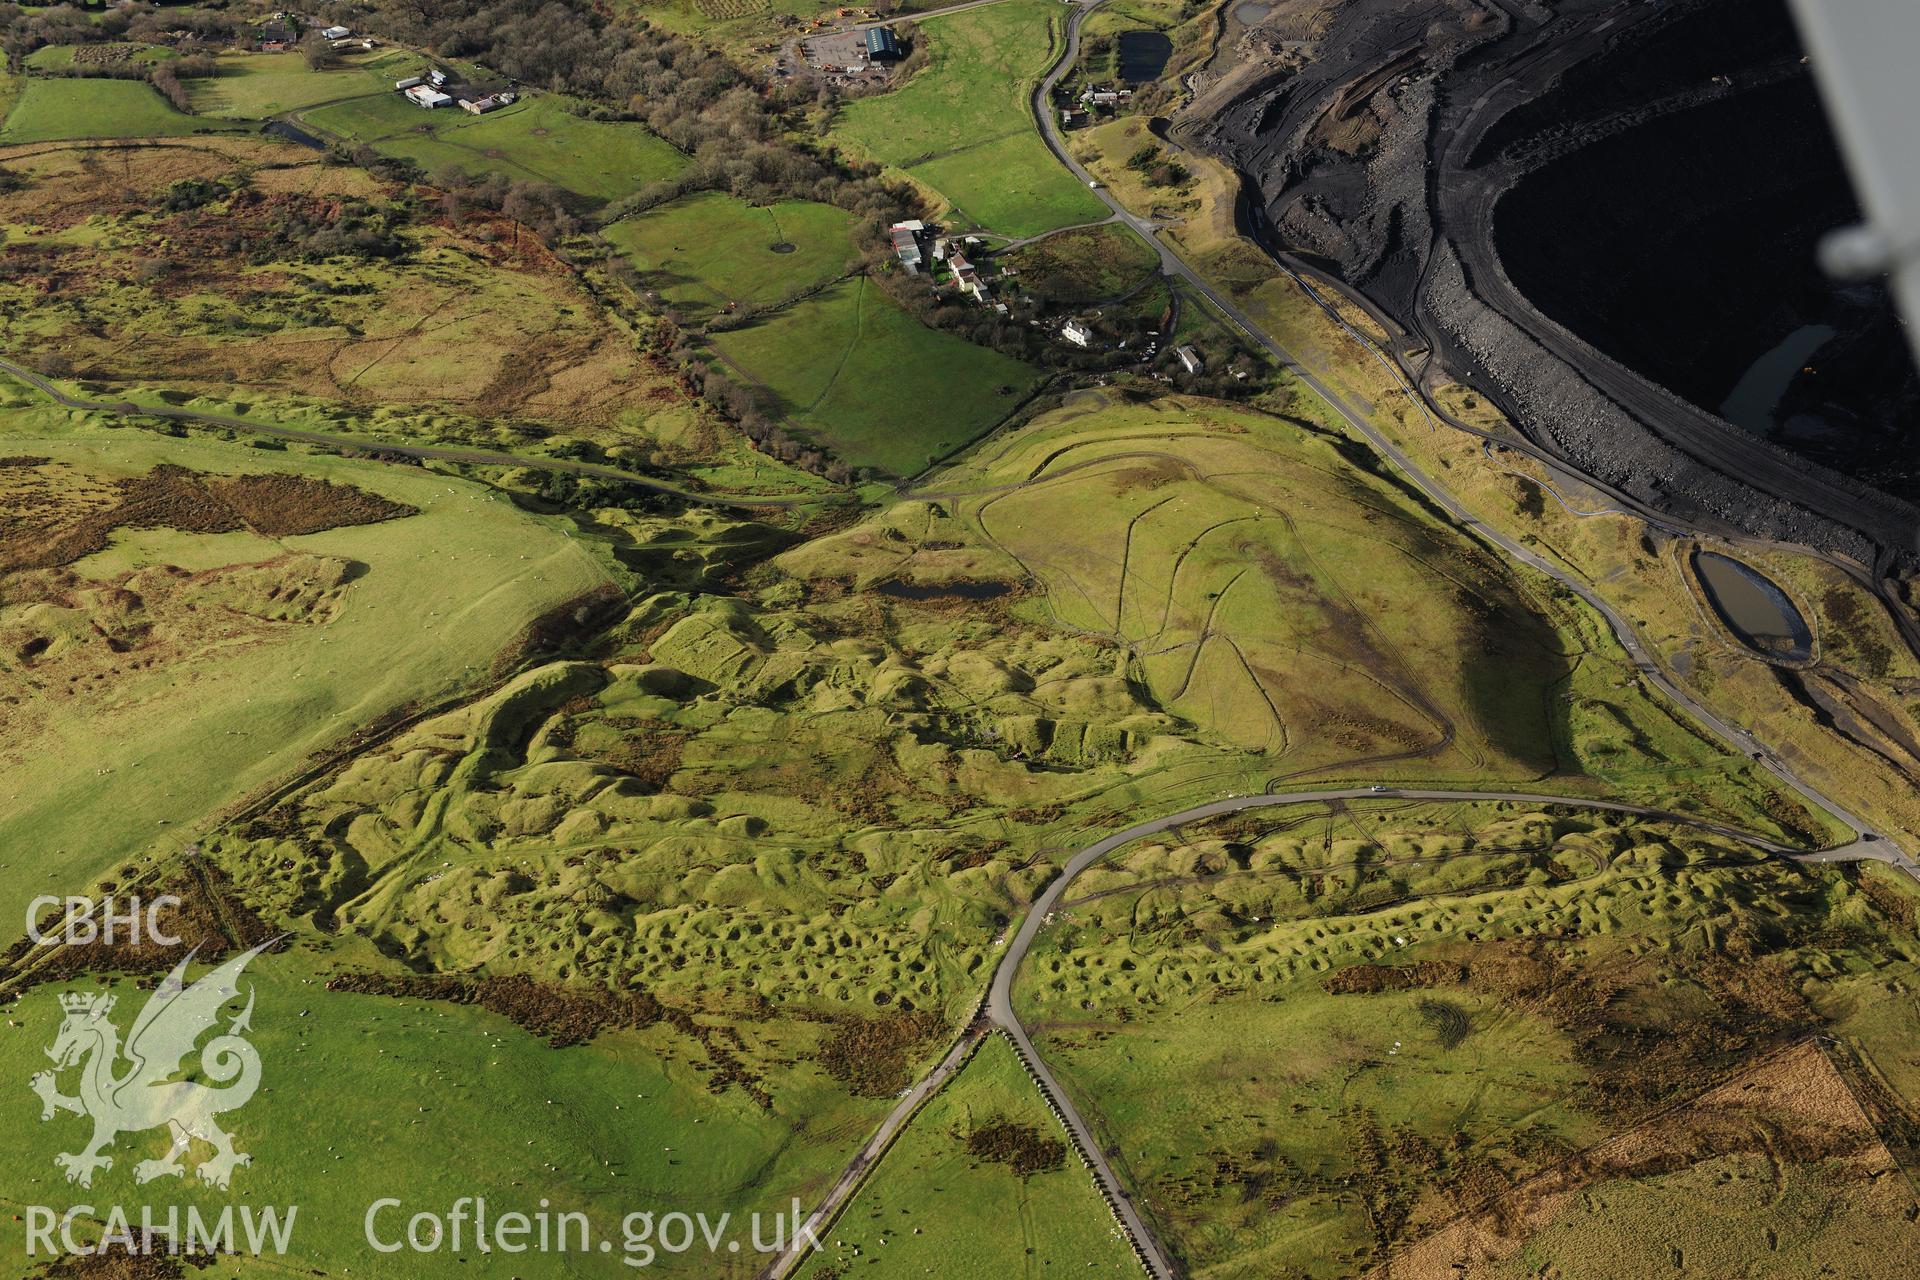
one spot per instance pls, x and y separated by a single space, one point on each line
1089 265
536 138
50 110
363 1096
59 57
253 86
366 119
872 384
440 594
931 1207
1273 588
963 126
708 250
1352 1041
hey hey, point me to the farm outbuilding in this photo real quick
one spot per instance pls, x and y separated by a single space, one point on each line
882 45
906 242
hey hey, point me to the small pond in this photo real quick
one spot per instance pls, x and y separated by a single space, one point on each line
1755 399
1143 55
293 133
1754 607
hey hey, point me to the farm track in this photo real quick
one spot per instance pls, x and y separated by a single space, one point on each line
1406 689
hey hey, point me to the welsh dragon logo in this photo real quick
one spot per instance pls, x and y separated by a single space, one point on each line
130 1088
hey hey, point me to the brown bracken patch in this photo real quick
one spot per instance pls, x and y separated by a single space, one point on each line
870 1055
40 530
562 1016
1789 1108
151 1261
1370 979
209 919
1018 1146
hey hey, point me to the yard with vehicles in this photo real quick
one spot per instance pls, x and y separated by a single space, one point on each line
963 126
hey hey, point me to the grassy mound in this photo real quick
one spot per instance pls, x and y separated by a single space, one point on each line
1269 585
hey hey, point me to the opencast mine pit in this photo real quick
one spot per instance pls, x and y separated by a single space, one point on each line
1603 216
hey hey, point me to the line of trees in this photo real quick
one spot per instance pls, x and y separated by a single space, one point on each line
170 78
734 126
22 30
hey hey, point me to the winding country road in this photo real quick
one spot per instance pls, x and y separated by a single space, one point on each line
999 1008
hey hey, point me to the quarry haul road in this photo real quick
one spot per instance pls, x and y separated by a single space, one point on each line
999 1009
343 444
